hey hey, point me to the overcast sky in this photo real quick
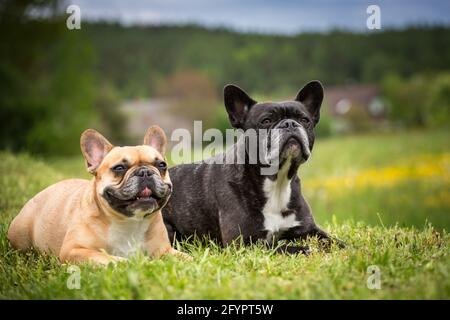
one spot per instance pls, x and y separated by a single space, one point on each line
273 16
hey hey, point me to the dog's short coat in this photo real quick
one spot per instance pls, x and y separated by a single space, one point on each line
226 201
109 217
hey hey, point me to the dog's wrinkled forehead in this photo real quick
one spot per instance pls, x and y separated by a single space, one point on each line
132 156
281 110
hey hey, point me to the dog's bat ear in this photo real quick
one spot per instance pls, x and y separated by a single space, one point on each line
156 138
311 95
94 147
237 103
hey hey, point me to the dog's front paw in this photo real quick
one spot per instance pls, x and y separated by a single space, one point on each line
181 255
293 249
117 259
341 244
329 242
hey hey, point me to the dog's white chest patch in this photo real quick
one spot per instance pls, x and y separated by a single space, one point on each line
278 194
125 238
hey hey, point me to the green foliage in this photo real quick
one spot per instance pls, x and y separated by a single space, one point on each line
376 174
359 120
48 84
113 121
439 101
422 100
22 57
325 126
69 101
137 59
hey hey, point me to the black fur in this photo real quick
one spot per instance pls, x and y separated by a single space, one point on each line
225 201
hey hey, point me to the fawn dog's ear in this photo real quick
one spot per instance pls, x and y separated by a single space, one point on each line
94 147
311 95
156 138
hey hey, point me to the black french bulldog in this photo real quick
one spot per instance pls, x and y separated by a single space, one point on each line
226 201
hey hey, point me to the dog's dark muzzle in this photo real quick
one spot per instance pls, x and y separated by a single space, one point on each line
293 140
144 190
289 125
149 179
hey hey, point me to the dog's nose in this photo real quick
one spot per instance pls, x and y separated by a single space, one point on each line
289 124
144 172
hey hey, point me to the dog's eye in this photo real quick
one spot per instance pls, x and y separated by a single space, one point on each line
266 121
120 168
305 120
162 165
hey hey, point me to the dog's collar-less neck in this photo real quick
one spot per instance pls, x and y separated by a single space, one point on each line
277 216
249 171
237 149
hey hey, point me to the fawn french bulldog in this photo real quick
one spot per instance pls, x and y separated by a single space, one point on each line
109 217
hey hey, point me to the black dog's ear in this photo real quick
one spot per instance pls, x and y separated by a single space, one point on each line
238 103
311 95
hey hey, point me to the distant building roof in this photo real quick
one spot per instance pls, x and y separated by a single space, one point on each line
340 99
143 113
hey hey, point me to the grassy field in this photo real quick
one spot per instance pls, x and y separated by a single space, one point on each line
387 196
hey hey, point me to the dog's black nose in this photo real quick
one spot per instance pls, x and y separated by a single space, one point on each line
289 124
144 172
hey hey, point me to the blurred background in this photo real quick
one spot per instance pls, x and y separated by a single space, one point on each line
383 153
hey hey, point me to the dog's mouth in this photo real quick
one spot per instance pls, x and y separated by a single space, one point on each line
146 200
292 142
293 147
146 195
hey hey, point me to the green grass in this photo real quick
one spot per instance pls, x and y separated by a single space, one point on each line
422 195
387 196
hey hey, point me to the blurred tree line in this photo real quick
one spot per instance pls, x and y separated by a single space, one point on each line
190 63
49 87
422 100
55 82
138 59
